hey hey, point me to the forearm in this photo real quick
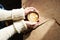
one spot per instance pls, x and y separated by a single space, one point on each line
5 15
15 14
7 32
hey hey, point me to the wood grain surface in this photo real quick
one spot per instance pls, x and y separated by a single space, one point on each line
47 9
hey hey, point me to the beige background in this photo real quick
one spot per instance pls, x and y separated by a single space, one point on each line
48 9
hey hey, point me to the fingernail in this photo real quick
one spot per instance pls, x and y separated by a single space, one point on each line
32 10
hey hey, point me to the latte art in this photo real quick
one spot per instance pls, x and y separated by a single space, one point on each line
33 17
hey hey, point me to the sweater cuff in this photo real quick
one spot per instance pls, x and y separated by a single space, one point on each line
20 26
18 14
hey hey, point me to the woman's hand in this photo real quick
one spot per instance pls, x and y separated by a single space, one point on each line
28 23
32 25
29 9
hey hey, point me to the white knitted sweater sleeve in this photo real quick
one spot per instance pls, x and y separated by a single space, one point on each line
7 32
15 14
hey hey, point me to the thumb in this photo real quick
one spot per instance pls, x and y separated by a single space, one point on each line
30 23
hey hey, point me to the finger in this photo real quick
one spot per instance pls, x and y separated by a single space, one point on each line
30 23
32 8
28 9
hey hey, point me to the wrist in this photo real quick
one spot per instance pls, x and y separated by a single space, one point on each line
20 26
18 14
